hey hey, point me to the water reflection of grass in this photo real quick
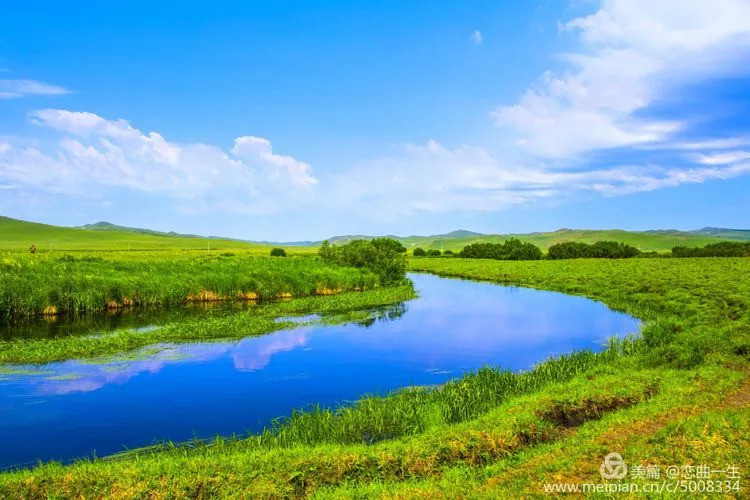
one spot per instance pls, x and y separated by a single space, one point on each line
173 352
255 321
134 355
679 394
121 362
64 376
11 370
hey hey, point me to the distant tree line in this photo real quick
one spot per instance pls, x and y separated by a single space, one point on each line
511 249
598 250
421 252
515 249
722 249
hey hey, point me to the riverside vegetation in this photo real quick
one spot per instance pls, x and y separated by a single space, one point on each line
256 321
677 394
360 275
55 284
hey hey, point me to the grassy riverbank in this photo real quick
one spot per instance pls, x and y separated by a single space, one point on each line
95 281
677 396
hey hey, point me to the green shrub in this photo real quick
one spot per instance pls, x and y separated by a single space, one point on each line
388 245
433 253
613 250
278 252
598 250
569 250
512 249
722 249
383 256
448 252
419 252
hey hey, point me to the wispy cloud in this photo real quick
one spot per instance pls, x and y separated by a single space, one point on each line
433 178
724 158
701 144
476 37
11 89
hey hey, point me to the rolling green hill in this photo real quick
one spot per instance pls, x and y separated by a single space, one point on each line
18 235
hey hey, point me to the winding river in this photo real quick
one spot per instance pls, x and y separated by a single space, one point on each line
75 409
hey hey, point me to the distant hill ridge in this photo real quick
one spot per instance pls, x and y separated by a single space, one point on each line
107 226
720 232
661 239
16 233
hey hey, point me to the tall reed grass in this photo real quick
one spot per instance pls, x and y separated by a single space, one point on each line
36 284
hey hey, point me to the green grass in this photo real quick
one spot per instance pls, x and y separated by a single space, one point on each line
95 281
678 395
682 423
18 236
256 321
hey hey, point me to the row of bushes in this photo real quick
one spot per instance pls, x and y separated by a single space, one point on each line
511 249
421 252
723 249
515 249
385 256
598 250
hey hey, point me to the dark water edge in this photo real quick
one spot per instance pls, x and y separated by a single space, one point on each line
48 327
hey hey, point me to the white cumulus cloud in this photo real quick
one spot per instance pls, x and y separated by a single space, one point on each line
93 151
633 52
258 150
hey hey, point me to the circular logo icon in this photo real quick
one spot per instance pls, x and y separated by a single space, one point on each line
613 467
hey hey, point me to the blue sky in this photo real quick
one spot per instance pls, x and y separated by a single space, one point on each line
300 121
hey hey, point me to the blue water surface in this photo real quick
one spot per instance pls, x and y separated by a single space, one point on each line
77 409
